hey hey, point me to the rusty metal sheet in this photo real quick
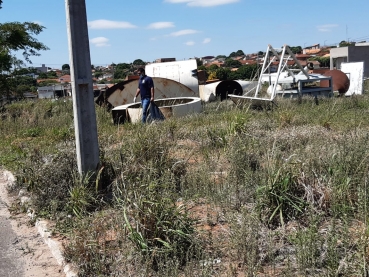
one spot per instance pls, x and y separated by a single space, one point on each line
123 92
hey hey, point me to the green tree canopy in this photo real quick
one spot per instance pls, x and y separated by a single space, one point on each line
248 71
123 66
346 43
139 62
323 61
213 67
120 73
98 74
199 62
202 67
223 73
15 37
240 53
24 71
232 63
233 54
47 75
65 66
296 49
236 54
48 83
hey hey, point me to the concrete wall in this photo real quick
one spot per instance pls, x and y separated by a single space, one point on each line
350 54
339 55
360 54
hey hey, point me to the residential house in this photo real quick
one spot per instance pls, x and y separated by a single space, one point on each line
218 63
43 68
164 60
312 50
349 54
244 62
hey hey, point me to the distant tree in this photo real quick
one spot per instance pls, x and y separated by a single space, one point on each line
261 53
65 72
120 73
98 74
202 67
123 66
22 71
21 89
240 53
233 54
33 89
47 83
212 75
52 75
247 71
138 62
199 62
323 61
346 43
42 75
232 63
25 80
296 49
65 66
234 75
47 75
223 73
221 57
213 67
33 70
1 2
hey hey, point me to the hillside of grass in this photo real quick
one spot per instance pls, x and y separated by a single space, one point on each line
233 191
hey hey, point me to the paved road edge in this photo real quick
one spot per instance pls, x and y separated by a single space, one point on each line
42 228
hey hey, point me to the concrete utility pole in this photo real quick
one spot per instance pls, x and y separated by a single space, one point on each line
87 146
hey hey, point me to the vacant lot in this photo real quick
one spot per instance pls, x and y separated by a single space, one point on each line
233 191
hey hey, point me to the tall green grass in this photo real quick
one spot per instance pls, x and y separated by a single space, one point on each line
230 191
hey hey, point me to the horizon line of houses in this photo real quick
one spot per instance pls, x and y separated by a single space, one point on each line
338 55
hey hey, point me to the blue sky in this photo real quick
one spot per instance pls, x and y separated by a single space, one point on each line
121 31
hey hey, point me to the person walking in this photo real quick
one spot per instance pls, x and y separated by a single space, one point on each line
146 91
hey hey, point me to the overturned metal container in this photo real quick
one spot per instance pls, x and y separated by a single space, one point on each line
169 107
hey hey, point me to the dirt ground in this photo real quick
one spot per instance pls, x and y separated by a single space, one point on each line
23 251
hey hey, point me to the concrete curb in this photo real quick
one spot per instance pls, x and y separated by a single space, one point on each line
42 228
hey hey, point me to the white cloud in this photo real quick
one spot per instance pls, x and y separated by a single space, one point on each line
327 27
161 25
203 3
183 33
190 43
100 42
108 24
206 40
